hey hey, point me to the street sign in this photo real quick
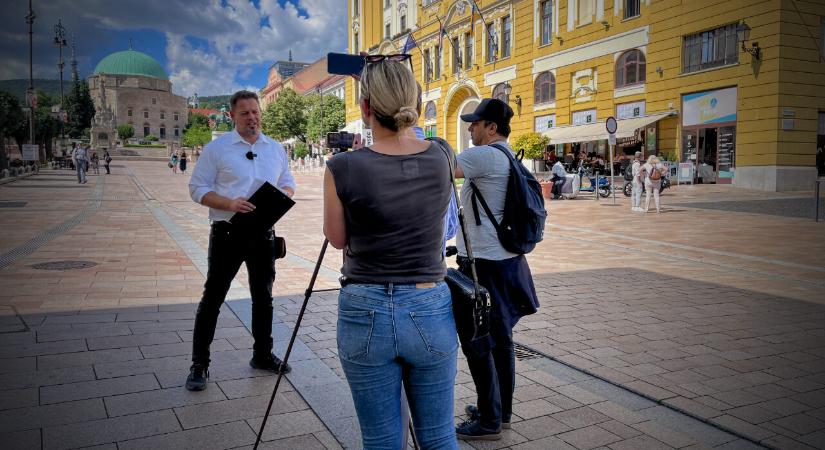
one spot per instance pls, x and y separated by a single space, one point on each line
611 125
31 99
30 152
611 139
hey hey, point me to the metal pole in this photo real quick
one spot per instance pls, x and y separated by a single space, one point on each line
60 41
816 200
30 21
613 188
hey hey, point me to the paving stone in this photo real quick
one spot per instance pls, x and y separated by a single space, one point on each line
80 318
132 341
220 436
17 365
615 394
580 417
21 440
45 377
740 444
640 443
18 398
50 415
180 348
329 401
589 438
179 364
85 331
618 412
534 408
620 429
664 434
740 426
97 388
539 427
203 414
649 390
753 414
786 443
692 407
250 387
288 425
529 392
815 439
698 431
304 442
109 430
801 423
578 394
42 348
158 399
545 379
87 358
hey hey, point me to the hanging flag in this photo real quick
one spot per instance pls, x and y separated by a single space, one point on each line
410 44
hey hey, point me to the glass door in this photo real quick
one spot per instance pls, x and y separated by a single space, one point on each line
726 159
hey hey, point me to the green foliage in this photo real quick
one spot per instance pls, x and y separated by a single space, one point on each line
533 145
320 121
19 87
214 101
223 126
150 138
301 150
196 136
197 119
11 117
125 131
80 108
286 117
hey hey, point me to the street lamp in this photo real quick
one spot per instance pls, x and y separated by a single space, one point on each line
743 33
60 42
31 97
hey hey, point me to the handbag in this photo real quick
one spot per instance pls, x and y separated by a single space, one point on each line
471 301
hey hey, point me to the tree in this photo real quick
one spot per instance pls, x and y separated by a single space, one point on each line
11 118
196 136
196 119
286 117
533 145
80 108
321 121
125 131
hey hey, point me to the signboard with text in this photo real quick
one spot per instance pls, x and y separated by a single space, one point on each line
709 107
30 152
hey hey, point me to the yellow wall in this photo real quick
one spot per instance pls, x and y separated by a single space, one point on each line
794 81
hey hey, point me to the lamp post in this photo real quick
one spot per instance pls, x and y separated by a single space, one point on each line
31 97
321 100
60 42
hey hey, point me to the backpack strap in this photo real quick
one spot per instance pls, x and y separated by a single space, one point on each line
476 194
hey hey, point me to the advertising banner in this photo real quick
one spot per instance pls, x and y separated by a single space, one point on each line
709 107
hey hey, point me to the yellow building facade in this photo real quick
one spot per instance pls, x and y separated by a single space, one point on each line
734 90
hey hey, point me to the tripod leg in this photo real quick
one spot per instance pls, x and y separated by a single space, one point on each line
307 294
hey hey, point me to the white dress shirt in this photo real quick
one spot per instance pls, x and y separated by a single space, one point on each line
224 169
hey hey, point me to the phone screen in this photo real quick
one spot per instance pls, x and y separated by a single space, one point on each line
344 64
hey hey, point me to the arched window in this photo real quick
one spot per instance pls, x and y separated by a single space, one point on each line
498 92
545 88
630 68
429 111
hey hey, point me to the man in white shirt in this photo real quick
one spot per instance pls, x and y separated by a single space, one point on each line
559 177
80 156
636 192
227 173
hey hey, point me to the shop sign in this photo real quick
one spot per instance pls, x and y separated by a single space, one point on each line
709 107
584 117
650 137
544 123
30 152
630 110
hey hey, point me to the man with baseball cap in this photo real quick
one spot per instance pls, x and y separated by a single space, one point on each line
505 275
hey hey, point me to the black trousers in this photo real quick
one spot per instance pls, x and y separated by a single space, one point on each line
228 248
558 183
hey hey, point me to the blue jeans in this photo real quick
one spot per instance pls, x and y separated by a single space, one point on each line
389 334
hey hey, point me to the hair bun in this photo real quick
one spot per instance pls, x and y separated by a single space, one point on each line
406 117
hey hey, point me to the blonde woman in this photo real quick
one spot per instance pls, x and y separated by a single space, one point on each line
384 205
653 171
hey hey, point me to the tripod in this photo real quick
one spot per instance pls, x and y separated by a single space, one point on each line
307 294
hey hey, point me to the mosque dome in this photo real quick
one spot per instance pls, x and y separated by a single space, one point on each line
131 62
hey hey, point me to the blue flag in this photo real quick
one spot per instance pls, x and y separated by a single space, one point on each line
410 44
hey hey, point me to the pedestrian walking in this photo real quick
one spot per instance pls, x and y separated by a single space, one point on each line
395 321
182 163
229 167
80 156
637 183
506 275
95 163
107 159
173 162
653 171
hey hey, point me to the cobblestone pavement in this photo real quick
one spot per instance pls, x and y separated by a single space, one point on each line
695 328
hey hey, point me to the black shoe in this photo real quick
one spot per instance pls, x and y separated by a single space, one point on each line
472 411
472 430
271 363
196 381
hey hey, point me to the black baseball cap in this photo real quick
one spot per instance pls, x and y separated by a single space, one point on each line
491 109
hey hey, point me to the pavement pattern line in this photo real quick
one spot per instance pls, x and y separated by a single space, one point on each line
777 262
42 239
686 258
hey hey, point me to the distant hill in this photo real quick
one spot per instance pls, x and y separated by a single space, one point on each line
214 101
18 87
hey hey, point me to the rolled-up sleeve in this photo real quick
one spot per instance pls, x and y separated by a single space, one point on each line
203 177
285 178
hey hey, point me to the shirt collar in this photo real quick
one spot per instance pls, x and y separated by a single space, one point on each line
236 137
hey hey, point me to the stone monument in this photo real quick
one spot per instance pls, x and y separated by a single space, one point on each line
104 129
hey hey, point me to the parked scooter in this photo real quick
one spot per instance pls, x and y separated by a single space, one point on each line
603 183
628 185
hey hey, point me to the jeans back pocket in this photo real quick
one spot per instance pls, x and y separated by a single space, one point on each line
354 334
437 330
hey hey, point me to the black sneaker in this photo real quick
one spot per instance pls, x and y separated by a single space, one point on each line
472 430
196 381
271 363
472 411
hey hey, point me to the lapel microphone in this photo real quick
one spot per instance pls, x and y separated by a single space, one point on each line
250 155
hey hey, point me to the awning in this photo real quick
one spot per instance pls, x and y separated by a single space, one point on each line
596 131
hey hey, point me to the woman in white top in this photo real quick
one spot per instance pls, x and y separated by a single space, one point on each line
653 171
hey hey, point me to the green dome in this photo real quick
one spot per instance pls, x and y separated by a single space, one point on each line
131 62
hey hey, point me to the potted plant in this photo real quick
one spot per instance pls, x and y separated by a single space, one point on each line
533 145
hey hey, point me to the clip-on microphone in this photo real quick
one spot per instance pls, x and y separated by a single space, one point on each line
250 155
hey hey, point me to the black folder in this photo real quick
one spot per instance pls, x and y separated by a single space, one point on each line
270 205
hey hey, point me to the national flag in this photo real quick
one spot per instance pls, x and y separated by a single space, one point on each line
410 44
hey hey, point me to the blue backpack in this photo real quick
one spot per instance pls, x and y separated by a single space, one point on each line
522 224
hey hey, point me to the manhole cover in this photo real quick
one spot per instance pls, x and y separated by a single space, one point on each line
523 352
64 265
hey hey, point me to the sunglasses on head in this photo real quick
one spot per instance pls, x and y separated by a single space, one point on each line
396 57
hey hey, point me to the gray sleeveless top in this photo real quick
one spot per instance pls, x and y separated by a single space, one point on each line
394 207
